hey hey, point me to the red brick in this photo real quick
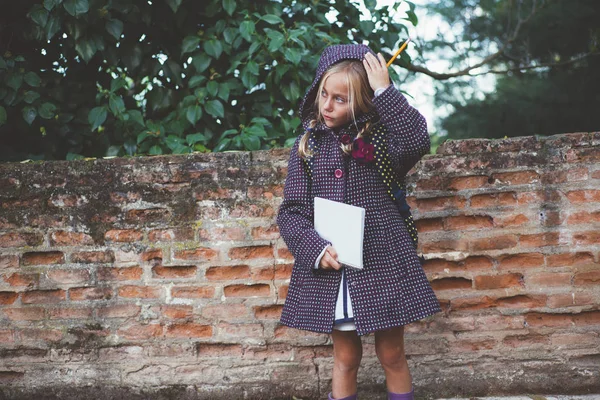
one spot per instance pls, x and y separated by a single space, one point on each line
140 292
500 199
90 293
219 350
510 220
263 274
24 313
245 210
257 290
65 238
86 257
198 254
465 222
265 233
123 235
242 330
225 312
570 299
223 234
525 340
283 271
451 283
440 203
171 235
251 252
284 253
521 301
584 196
472 303
587 278
429 224
174 272
18 279
468 182
498 322
516 178
551 218
20 239
549 279
537 320
443 246
218 194
43 296
140 332
575 340
494 243
483 282
282 292
469 264
268 312
188 330
473 344
119 274
519 261
43 335
149 215
6 336
193 292
433 183
8 297
70 313
583 238
152 255
43 258
540 239
267 192
228 273
69 276
176 311
584 217
587 318
119 311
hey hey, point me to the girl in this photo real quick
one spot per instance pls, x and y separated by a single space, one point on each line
349 114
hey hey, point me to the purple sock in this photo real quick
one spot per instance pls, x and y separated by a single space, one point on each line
353 397
402 396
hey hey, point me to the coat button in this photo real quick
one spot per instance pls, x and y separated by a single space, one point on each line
339 173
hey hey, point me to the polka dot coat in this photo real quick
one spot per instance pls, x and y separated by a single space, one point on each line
392 289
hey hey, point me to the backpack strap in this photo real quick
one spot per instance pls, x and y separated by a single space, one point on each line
397 191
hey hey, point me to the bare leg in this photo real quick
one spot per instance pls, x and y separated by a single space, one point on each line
347 353
389 345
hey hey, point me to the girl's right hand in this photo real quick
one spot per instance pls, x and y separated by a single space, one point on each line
330 259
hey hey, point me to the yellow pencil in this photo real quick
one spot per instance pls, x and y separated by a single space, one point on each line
398 52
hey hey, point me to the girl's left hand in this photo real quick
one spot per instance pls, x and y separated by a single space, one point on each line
376 71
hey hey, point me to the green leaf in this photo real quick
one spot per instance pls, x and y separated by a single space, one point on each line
155 150
247 28
116 104
260 120
86 49
117 84
276 40
52 26
190 43
115 28
256 130
253 47
29 114
47 110
39 15
49 4
215 108
32 79
412 17
73 156
251 142
97 116
196 80
136 116
76 7
195 138
223 145
31 96
14 81
224 91
193 113
213 88
229 6
174 4
213 48
201 62
142 136
293 55
272 19
252 67
2 116
229 34
2 63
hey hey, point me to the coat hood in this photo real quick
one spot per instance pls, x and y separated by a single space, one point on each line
330 56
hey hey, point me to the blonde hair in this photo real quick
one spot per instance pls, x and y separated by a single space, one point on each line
360 101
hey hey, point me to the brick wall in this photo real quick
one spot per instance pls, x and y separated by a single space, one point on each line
165 276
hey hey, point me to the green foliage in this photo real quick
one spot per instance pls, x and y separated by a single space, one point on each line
560 97
124 77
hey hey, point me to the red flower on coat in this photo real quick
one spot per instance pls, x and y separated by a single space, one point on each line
346 139
363 152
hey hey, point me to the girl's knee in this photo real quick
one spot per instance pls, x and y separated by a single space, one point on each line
347 359
392 358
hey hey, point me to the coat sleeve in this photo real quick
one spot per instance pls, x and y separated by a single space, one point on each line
295 216
407 137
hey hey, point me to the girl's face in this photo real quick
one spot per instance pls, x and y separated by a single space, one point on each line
333 101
